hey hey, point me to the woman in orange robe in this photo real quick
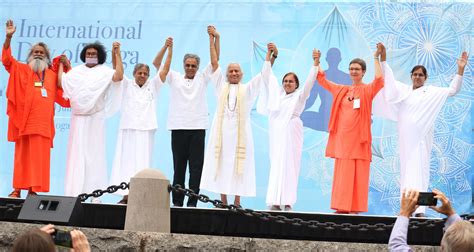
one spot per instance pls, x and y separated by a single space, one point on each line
350 138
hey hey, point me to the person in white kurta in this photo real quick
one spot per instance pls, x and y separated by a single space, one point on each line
415 109
93 91
188 119
284 105
138 123
231 171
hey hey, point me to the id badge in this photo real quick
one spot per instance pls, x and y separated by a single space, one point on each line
44 93
38 84
356 103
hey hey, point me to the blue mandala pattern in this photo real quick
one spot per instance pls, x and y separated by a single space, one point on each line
434 36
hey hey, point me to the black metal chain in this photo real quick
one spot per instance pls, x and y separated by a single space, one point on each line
414 224
97 193
297 221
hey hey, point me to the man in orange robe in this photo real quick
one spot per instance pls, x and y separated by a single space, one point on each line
350 137
31 93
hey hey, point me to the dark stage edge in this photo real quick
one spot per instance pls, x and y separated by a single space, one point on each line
205 221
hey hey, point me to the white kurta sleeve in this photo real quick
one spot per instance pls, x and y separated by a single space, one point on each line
455 85
253 86
156 82
394 91
309 83
269 99
113 98
207 73
218 80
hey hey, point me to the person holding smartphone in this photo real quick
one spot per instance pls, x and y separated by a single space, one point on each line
458 236
42 240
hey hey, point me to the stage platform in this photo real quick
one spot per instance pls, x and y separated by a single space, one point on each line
220 222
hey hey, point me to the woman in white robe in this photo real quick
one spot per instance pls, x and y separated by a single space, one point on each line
415 109
284 105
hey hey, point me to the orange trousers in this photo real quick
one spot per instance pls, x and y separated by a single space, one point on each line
350 188
31 165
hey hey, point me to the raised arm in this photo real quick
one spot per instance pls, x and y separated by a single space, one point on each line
10 30
7 58
377 53
455 85
398 237
323 82
462 62
160 54
63 63
114 61
118 75
378 82
394 91
266 70
309 83
166 68
214 46
272 53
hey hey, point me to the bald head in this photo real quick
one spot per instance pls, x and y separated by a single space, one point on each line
234 73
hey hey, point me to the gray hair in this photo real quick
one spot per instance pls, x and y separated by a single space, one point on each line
458 237
140 65
46 51
192 56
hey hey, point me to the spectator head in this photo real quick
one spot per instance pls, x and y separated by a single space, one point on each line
458 237
34 240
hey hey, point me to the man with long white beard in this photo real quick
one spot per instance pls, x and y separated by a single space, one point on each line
31 93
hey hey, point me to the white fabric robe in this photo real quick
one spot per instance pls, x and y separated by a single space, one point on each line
415 112
228 181
93 96
285 135
138 124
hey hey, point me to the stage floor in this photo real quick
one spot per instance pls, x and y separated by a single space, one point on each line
207 221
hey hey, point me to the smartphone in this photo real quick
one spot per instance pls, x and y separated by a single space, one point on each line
427 199
62 238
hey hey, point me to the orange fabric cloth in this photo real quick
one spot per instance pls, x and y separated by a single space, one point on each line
351 185
32 157
29 113
350 138
349 129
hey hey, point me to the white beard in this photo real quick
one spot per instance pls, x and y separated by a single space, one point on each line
37 64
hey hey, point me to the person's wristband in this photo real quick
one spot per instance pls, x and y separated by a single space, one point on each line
274 56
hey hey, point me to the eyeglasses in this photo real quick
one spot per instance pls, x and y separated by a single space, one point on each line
190 66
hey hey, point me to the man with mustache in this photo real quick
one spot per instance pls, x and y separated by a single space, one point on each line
31 93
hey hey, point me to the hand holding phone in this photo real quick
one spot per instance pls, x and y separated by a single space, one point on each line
427 199
445 207
62 238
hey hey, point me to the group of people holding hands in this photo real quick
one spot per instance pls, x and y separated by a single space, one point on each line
226 165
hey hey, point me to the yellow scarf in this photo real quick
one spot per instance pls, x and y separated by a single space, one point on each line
241 107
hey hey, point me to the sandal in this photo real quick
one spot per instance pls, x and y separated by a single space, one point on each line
15 194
